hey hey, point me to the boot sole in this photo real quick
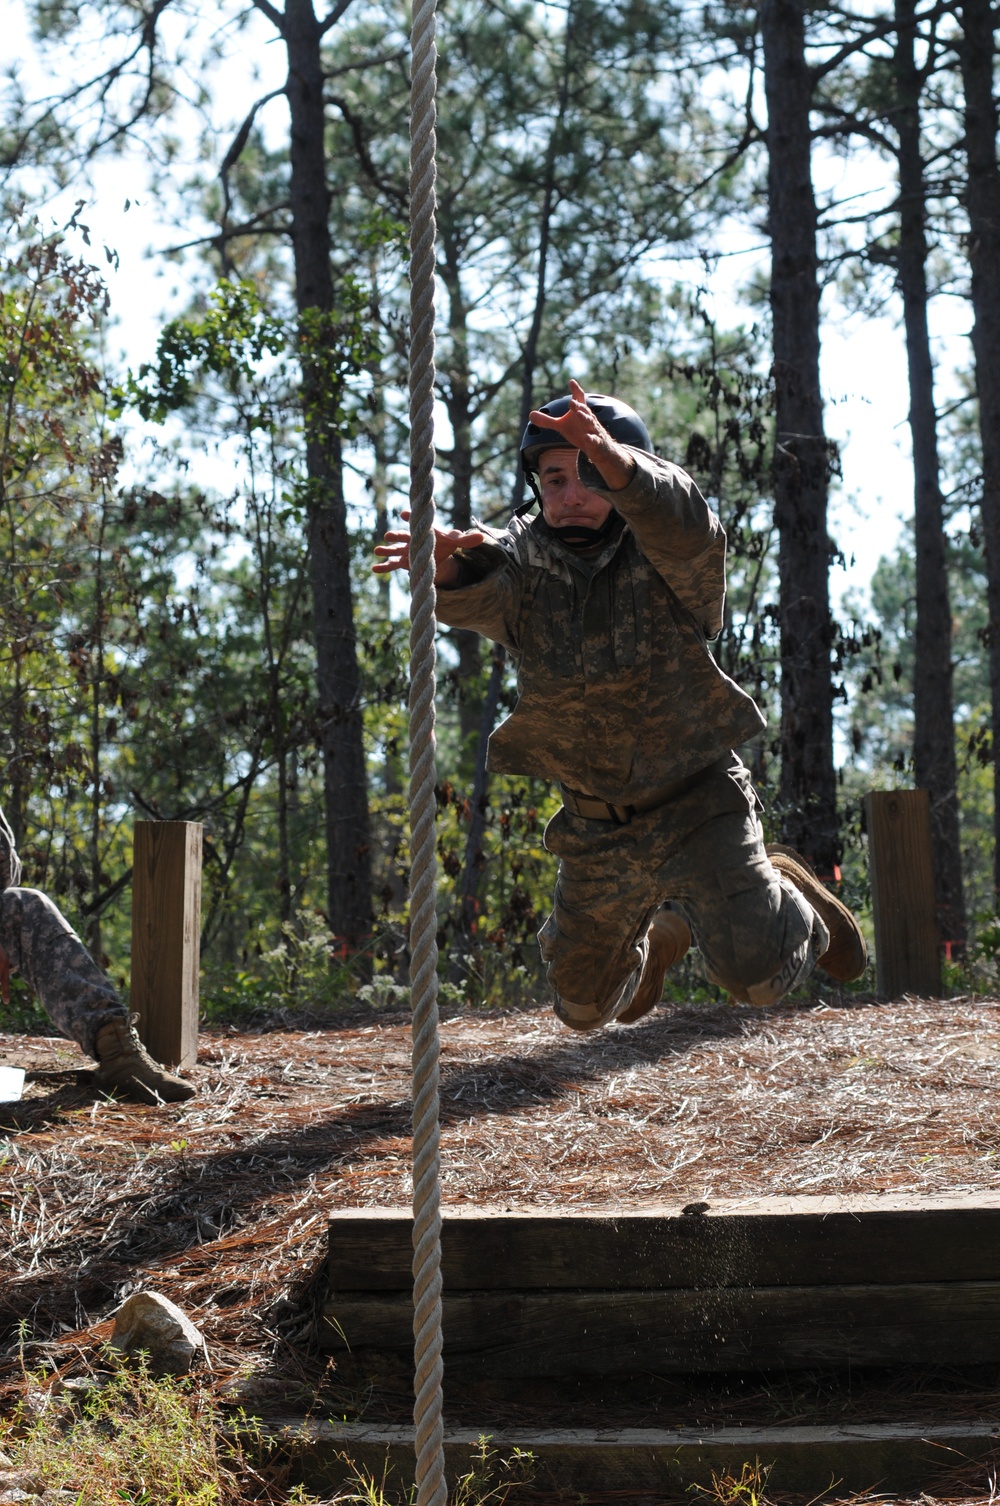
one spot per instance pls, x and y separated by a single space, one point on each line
846 958
135 1090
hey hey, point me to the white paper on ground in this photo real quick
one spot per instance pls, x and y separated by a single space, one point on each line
11 1084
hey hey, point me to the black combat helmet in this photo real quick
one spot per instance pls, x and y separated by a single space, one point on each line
621 422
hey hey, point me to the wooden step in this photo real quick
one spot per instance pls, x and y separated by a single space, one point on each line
812 1460
781 1283
779 1241
517 1334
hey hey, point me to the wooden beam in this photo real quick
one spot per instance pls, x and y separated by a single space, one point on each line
769 1242
907 946
515 1335
845 1459
166 935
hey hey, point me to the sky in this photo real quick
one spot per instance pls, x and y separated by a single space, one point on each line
863 358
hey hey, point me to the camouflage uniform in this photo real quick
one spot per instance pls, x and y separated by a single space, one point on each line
620 699
50 957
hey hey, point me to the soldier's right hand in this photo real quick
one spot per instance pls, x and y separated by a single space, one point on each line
394 551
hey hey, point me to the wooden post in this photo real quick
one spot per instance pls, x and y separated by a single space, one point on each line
907 947
166 936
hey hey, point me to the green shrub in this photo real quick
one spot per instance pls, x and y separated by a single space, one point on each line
131 1440
300 971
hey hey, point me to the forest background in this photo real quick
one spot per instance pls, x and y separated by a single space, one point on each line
189 629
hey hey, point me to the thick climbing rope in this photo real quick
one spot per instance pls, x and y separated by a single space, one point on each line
428 1402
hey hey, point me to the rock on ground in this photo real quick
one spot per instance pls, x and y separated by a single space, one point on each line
156 1327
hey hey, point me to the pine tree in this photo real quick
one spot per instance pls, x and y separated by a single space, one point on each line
802 457
977 54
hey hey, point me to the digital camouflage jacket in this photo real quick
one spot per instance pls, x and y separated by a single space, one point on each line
619 695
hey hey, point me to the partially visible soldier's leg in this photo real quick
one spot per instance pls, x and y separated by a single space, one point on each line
594 942
758 932
79 998
759 936
43 947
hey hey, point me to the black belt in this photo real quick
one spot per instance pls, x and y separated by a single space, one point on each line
589 808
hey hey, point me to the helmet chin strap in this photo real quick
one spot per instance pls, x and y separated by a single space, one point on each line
577 536
529 502
573 535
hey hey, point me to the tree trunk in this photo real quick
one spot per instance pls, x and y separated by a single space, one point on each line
934 735
97 645
392 782
982 202
341 728
16 763
801 460
284 847
458 400
475 859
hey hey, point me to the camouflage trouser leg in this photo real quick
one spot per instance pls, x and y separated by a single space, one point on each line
42 946
704 850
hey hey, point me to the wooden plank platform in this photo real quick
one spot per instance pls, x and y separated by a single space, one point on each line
520 1334
780 1241
778 1284
811 1460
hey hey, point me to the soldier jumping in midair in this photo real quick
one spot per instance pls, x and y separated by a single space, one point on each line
606 603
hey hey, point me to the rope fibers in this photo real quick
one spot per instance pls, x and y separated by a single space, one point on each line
427 1411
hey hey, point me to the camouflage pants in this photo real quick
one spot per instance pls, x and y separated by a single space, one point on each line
703 850
42 946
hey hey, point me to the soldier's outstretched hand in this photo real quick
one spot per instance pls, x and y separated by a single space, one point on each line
394 552
580 427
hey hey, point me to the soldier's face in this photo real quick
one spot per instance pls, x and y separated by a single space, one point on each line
564 497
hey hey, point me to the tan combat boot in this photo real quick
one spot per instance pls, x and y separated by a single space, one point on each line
847 956
669 938
125 1066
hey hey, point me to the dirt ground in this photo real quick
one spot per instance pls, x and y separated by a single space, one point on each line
221 1203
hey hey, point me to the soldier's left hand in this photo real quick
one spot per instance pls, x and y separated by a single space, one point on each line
580 427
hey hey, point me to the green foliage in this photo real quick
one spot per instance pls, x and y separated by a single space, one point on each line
23 1014
238 335
562 164
157 648
65 686
334 348
489 1480
748 1488
876 653
303 972
229 341
515 892
132 1439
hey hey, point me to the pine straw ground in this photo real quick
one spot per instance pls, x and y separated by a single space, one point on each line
221 1204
